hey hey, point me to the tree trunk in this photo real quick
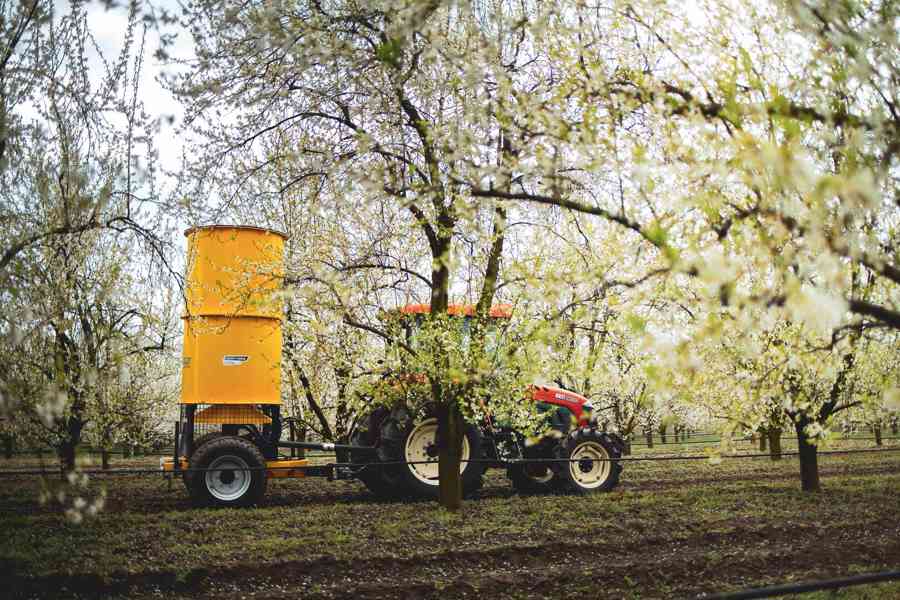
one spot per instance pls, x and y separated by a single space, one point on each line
325 426
774 436
450 434
450 421
66 452
876 427
649 435
342 412
763 441
297 434
809 458
104 458
8 446
895 426
292 436
662 434
627 450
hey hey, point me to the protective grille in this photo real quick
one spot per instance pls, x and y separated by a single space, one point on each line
258 422
231 414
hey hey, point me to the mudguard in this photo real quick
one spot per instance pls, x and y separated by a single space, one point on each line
616 440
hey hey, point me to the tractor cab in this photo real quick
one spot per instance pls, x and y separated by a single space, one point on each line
565 408
411 317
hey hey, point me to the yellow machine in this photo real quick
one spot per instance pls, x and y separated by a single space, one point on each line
230 427
232 332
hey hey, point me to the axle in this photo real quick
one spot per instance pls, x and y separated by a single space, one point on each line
325 446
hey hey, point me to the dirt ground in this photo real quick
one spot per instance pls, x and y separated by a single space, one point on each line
670 530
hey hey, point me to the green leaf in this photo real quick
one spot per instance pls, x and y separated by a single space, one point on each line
658 235
637 323
389 52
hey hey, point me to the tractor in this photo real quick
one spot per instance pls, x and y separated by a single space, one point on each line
229 432
573 455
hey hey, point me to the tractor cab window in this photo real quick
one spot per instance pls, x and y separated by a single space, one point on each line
413 325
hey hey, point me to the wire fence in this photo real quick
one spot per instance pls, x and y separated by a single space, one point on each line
749 440
637 441
360 465
786 451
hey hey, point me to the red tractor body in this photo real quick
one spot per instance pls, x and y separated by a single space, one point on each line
567 399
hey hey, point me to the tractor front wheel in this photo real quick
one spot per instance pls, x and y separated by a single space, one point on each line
591 465
228 471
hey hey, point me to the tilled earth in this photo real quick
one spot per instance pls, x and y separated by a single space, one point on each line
669 530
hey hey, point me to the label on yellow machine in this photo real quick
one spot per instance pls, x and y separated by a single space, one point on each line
232 360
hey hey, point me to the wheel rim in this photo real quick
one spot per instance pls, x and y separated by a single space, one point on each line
421 446
228 478
590 465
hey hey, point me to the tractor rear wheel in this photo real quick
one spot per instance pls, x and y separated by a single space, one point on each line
591 467
381 428
228 471
420 449
385 481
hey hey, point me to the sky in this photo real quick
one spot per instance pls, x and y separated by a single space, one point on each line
108 26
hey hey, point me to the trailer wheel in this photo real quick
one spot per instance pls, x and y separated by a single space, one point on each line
236 475
590 469
420 444
186 477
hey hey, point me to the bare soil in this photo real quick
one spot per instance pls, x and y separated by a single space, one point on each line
670 530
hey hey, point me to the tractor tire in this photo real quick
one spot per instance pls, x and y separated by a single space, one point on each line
590 469
385 481
237 478
419 444
534 478
186 477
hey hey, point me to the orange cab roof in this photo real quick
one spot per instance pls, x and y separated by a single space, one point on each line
498 311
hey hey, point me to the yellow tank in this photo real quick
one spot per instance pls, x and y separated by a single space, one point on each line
234 271
232 329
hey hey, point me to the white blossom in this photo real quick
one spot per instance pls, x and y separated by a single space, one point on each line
819 310
892 399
